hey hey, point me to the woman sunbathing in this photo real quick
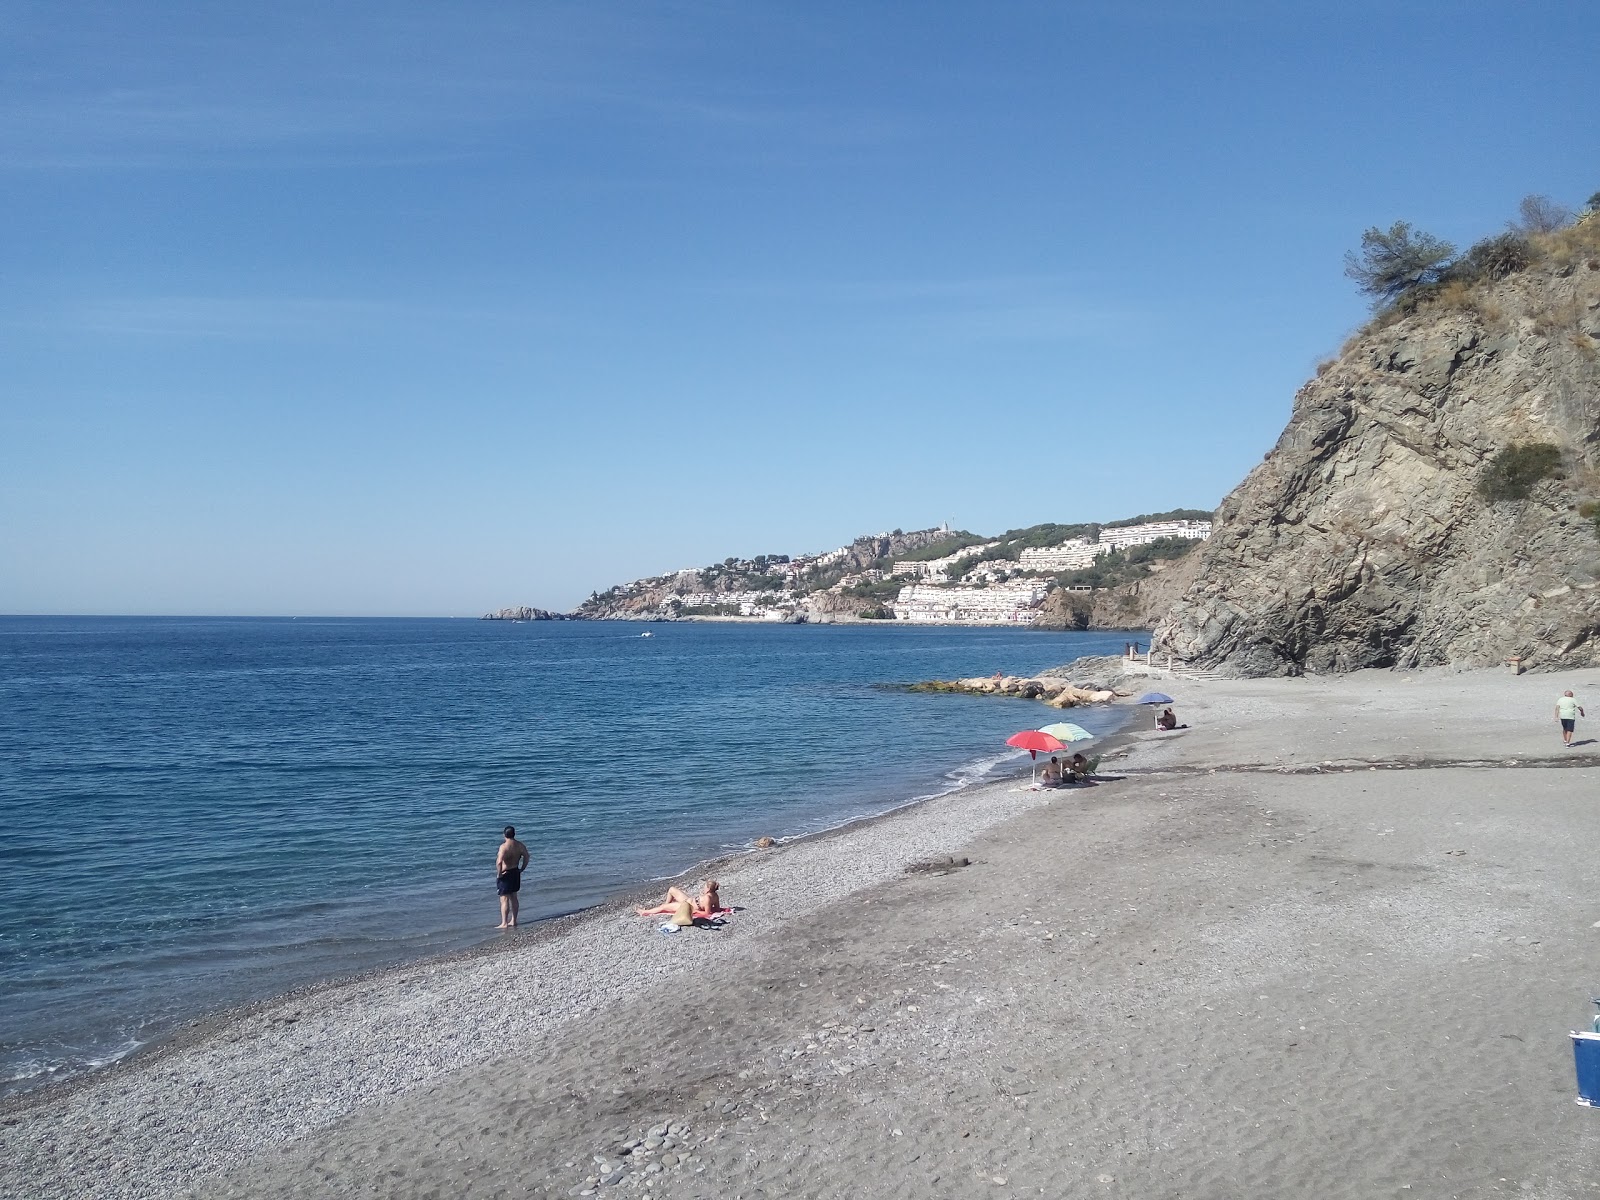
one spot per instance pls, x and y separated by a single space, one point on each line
687 909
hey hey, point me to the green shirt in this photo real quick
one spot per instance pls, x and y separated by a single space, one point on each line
1567 708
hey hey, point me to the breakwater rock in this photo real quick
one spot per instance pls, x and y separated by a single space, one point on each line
1058 693
1373 534
525 613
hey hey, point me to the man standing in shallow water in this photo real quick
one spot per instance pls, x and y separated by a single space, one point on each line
1568 712
508 868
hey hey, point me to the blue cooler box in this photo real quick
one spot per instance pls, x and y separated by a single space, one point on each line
1586 1050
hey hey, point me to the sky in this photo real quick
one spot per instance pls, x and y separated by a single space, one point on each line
422 309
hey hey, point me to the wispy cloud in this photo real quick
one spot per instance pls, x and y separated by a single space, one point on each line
227 318
979 308
117 87
254 318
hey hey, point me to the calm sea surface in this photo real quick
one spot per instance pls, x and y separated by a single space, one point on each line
195 812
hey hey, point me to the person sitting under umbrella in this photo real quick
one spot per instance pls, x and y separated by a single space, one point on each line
1079 766
1167 720
1052 773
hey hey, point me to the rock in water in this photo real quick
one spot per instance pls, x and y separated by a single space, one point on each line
1363 540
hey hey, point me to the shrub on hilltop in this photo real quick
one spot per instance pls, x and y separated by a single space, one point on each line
1176 514
1540 214
1394 261
1495 258
1405 270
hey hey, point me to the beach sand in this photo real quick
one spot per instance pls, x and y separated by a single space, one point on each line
1325 942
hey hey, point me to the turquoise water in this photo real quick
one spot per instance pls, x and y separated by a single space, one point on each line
195 812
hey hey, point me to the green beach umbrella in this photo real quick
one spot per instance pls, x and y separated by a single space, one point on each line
1066 731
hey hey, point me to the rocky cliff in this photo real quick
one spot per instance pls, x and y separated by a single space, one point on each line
1137 605
524 613
1364 540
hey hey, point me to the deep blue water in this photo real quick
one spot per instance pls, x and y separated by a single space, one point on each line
195 811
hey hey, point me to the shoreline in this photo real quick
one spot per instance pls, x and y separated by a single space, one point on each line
197 1031
158 1081
852 619
1252 924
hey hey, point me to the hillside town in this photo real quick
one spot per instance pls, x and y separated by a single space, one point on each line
932 576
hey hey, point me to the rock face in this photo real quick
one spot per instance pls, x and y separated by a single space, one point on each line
1362 541
1131 606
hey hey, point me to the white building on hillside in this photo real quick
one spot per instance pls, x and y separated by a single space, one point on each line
1140 535
998 604
1069 556
935 569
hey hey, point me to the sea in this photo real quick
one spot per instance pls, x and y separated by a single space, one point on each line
200 812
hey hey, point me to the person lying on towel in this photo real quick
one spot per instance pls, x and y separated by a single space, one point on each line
687 909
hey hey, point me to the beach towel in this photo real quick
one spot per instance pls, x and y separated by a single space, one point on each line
701 921
696 914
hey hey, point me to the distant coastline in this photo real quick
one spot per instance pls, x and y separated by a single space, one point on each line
1088 575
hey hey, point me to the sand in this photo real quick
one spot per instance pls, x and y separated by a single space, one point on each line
1324 942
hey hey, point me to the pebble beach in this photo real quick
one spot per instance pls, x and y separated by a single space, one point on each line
1329 939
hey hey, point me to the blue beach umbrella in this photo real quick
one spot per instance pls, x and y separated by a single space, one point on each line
1155 698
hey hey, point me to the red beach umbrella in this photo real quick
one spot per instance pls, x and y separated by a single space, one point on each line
1033 741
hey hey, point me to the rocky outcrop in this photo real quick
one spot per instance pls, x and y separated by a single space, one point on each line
1138 605
1057 693
1362 540
835 607
525 613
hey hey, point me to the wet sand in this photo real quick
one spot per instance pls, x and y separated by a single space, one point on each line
1327 941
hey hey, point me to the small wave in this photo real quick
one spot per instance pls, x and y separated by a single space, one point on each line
975 771
30 1072
115 1054
31 1069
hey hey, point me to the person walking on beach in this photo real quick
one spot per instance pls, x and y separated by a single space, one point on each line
508 868
1567 712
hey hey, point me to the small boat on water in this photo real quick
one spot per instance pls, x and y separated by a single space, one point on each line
647 633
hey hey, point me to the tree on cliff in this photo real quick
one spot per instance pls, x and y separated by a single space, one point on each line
1540 214
1394 261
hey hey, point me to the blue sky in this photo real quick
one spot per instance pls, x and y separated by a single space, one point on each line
396 308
